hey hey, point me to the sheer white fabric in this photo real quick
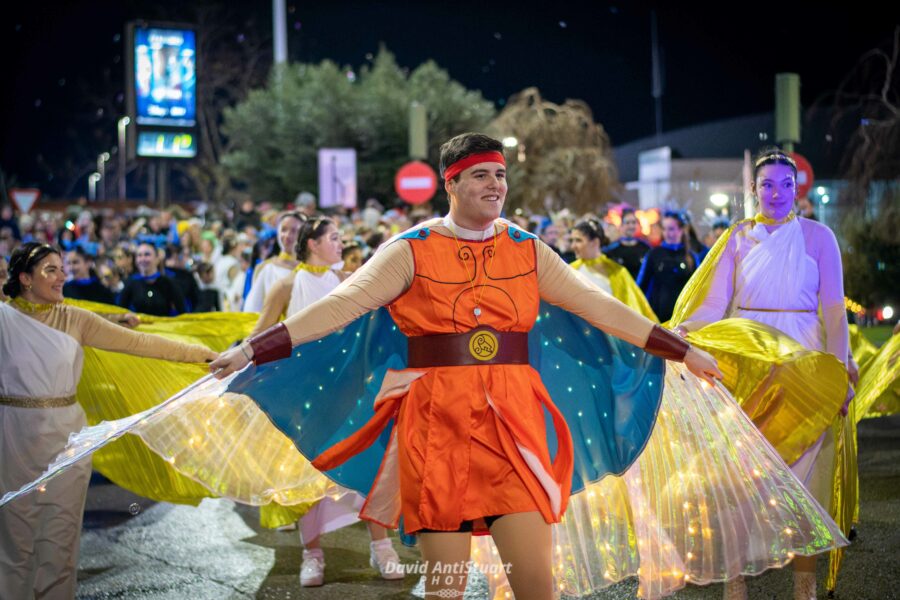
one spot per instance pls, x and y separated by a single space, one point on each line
709 499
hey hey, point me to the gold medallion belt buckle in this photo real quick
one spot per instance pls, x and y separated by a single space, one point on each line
483 345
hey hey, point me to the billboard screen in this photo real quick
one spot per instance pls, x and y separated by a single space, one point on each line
165 76
166 144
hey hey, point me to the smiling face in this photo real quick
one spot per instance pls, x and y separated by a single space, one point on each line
776 188
584 247
629 225
146 259
288 232
326 249
45 281
77 267
477 195
671 230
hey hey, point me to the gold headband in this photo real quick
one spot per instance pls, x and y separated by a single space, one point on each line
775 156
35 251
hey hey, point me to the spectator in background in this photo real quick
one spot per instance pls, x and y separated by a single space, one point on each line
4 276
83 283
629 250
668 267
719 226
210 298
247 216
123 258
352 255
550 236
176 269
149 291
8 219
806 208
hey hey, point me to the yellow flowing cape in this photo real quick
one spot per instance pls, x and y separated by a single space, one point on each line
623 286
792 394
115 385
878 392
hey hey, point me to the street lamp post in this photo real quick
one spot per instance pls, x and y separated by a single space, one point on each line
101 169
93 178
123 155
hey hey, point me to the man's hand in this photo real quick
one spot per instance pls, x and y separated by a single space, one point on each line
129 320
703 365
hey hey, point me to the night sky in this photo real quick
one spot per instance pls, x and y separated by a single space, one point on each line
718 62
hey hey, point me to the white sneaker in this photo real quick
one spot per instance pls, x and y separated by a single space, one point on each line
312 571
383 557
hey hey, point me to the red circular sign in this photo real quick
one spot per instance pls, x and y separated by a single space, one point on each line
415 182
804 174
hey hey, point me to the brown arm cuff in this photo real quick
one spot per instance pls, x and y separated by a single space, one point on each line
665 344
272 344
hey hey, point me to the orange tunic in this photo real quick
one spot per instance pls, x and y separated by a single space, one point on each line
470 441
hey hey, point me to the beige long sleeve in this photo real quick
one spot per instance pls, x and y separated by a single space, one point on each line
563 286
95 331
387 275
391 272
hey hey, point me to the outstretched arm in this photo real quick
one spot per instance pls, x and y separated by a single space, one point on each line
563 286
387 275
97 332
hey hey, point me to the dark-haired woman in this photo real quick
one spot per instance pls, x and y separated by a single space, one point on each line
149 291
782 271
668 267
275 267
319 247
41 343
84 283
611 277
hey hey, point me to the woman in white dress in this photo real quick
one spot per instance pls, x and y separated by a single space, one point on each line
782 270
611 277
319 247
41 343
278 266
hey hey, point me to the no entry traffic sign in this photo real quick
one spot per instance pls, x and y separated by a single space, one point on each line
415 182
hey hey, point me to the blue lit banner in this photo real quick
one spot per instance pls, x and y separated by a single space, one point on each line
166 144
165 76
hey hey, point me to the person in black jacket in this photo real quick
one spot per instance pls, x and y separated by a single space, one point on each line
668 267
149 291
176 270
84 283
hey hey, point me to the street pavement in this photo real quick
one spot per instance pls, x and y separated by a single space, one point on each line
134 548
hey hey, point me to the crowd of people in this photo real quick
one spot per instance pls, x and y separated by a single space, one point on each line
168 262
460 430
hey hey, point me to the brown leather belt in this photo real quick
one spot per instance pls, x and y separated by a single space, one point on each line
481 346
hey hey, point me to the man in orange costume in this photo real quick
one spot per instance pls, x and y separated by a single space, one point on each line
469 453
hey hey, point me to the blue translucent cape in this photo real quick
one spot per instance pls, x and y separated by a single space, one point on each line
608 391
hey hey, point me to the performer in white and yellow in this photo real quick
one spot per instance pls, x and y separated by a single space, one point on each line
277 267
319 246
41 343
605 273
780 272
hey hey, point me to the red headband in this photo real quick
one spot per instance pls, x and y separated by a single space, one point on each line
473 159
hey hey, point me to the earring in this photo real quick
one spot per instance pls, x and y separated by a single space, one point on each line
27 288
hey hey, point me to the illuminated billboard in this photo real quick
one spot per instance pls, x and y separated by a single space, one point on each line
166 144
165 76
